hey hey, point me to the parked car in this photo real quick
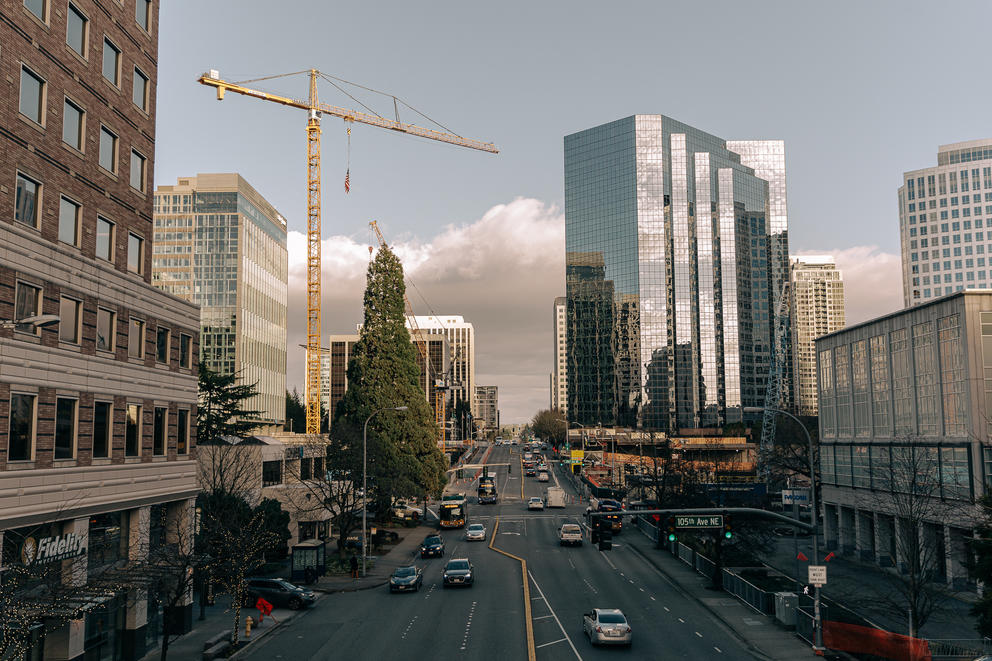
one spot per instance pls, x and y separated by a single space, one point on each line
535 503
403 510
279 592
433 545
607 626
404 579
458 571
476 532
570 533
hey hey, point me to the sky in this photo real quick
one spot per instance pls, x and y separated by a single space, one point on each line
859 91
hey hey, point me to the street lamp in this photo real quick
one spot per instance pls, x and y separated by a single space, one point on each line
35 321
365 497
814 516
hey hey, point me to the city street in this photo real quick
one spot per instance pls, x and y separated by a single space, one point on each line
487 621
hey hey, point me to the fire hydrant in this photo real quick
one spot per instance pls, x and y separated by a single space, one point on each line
248 623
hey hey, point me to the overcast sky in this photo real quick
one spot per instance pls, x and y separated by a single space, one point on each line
859 91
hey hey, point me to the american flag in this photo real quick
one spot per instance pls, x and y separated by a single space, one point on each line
347 181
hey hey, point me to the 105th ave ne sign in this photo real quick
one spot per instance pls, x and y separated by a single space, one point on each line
698 520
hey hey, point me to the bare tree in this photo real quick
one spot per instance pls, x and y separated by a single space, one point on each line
230 465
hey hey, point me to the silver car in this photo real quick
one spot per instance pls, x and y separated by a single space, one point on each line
535 503
607 626
476 532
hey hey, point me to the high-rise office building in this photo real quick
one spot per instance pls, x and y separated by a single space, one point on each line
338 356
220 244
559 378
461 340
98 368
944 223
817 301
487 402
676 255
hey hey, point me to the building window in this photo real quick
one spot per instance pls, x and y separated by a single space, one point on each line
158 430
102 426
27 207
76 30
135 252
271 473
185 350
860 467
21 431
69 309
182 431
955 477
143 13
105 329
39 8
111 62
73 121
27 303
306 468
32 102
137 171
139 89
104 239
136 338
162 337
108 150
65 428
68 221
132 430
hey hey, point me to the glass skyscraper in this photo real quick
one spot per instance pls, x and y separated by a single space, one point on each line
221 245
676 255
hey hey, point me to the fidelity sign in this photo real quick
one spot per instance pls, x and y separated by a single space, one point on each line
52 549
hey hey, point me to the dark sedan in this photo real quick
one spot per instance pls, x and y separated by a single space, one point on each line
433 546
406 579
458 571
279 592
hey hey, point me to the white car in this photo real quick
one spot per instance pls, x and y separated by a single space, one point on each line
543 476
535 503
570 533
475 532
607 626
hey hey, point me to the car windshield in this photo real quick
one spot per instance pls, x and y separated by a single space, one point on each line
535 500
458 564
570 528
476 527
432 540
611 618
403 572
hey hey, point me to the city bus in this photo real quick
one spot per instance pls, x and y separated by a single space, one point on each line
453 512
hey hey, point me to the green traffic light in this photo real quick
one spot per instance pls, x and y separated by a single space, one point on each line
671 537
728 534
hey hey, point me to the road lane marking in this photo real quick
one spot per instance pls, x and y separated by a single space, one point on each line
718 649
553 642
554 615
653 599
543 617
610 562
408 627
468 625
528 623
641 589
681 620
699 634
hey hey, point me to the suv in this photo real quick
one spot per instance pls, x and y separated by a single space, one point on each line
458 571
570 533
606 626
433 545
279 592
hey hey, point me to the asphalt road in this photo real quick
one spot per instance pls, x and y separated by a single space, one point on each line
487 621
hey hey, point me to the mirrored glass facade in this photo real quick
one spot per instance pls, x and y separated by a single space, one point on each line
219 244
676 252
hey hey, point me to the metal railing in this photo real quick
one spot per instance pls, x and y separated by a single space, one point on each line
964 648
750 594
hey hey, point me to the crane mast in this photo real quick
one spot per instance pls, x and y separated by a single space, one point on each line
314 111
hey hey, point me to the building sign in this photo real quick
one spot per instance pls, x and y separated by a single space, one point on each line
699 521
52 549
795 496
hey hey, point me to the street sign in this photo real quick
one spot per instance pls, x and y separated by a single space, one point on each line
795 496
577 454
699 521
818 575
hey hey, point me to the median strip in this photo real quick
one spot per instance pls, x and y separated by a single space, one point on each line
531 652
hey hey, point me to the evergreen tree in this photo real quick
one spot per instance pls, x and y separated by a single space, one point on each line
296 412
403 457
222 407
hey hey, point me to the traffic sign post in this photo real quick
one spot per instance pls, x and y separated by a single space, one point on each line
818 575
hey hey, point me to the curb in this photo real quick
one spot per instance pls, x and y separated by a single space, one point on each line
355 588
755 651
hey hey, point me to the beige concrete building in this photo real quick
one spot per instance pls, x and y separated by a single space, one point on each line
221 245
461 340
817 291
487 403
559 378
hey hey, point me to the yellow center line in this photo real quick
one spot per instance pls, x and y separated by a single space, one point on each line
531 651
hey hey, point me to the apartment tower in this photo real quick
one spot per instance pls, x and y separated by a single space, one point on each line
817 299
559 380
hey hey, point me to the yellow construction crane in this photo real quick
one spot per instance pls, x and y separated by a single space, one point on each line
314 111
439 385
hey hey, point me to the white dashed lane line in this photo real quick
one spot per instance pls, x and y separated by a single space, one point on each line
409 626
718 649
468 625
566 639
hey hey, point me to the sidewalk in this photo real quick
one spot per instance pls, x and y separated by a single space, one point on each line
399 555
765 638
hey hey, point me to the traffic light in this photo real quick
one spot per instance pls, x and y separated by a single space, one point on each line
728 530
459 474
671 529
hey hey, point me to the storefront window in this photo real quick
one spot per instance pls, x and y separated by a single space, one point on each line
106 542
104 630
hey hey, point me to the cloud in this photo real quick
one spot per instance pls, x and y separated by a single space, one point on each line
872 281
501 272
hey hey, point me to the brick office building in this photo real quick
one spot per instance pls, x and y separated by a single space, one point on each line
98 407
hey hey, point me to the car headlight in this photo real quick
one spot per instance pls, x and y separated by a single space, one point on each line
468 575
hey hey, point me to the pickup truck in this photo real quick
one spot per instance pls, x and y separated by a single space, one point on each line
570 533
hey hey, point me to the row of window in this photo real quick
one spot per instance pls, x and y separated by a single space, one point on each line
940 472
954 201
27 303
42 11
916 188
32 104
22 439
29 198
